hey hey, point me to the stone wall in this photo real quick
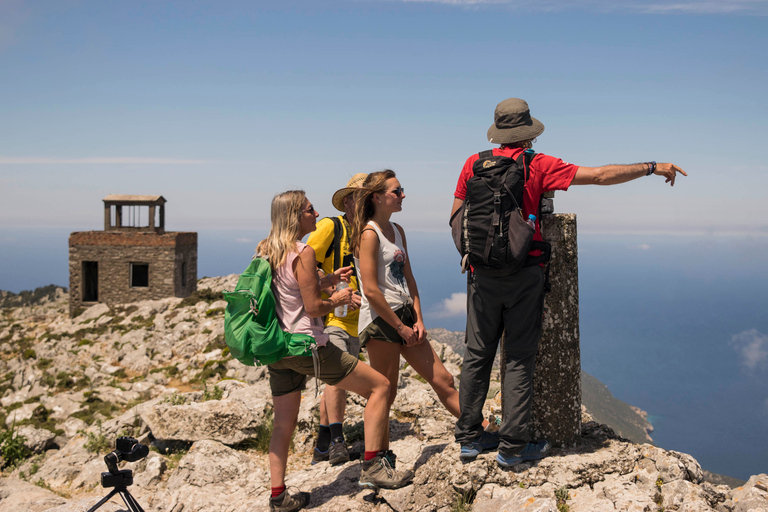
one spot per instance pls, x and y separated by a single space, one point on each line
114 252
186 260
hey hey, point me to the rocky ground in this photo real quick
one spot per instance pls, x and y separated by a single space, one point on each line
160 371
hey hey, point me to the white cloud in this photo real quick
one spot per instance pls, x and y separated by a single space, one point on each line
643 247
752 348
243 240
26 160
455 305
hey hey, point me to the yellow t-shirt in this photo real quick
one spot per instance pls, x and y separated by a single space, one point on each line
320 240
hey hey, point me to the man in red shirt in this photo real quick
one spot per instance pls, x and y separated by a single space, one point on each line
513 303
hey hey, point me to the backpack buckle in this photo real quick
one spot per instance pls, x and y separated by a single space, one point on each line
254 307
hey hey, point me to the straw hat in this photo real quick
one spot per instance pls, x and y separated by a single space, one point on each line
353 184
512 122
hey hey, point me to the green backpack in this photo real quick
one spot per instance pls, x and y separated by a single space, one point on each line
251 329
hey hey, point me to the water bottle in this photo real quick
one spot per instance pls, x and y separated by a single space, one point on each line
532 221
341 311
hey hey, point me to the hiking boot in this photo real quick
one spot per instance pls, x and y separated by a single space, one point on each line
379 473
531 451
391 457
337 453
483 442
289 502
318 456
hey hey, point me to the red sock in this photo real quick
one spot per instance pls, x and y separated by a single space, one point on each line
371 455
277 491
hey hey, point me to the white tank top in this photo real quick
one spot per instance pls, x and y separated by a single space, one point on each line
390 262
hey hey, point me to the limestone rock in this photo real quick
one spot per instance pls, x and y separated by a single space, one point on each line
37 440
18 495
229 421
141 376
22 413
752 496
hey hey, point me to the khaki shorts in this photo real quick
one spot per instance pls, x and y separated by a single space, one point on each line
382 331
342 339
290 373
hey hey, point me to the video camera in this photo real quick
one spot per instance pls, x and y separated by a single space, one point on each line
126 449
129 450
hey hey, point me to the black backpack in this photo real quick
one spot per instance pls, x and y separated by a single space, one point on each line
335 248
489 230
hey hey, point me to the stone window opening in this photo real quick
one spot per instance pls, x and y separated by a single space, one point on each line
139 275
90 281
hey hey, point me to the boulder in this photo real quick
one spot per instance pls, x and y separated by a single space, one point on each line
37 440
229 421
18 495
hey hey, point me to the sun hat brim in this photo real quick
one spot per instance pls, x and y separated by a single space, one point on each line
354 183
338 197
518 133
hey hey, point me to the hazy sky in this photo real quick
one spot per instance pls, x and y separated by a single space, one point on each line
220 105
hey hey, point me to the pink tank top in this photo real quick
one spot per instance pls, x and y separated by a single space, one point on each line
290 306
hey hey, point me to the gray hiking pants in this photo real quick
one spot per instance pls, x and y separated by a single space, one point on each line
513 305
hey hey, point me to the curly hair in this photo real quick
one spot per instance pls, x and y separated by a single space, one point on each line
524 144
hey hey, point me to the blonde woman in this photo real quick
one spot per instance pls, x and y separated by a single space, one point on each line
297 292
391 324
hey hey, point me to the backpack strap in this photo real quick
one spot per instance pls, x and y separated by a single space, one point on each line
335 247
528 156
496 217
488 153
545 247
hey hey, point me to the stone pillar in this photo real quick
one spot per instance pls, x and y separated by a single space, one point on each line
152 217
557 379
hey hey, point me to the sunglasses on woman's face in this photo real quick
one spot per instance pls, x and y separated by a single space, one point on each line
399 191
310 210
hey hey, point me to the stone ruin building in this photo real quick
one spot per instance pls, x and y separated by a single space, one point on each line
133 259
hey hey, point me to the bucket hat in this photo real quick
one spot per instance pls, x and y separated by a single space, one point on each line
354 183
512 122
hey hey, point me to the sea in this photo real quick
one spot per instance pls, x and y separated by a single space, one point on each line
673 324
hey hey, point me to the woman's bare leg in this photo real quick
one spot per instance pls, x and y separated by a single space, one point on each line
424 360
286 412
370 384
385 358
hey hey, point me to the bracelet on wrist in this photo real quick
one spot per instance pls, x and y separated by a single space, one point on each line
651 168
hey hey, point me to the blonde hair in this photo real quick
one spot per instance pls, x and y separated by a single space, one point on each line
375 183
285 230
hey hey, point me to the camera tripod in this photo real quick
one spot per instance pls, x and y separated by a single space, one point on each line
120 482
126 448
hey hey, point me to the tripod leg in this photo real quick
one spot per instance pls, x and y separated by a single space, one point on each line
103 500
130 501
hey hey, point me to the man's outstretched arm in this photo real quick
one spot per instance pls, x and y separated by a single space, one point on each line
615 174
